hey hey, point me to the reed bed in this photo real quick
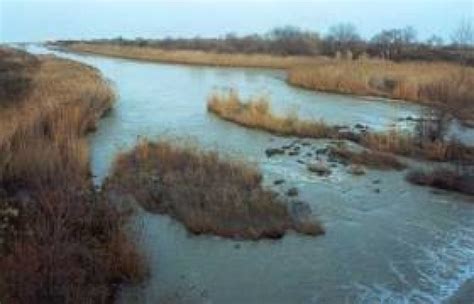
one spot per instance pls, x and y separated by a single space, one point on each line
193 57
61 241
205 192
440 84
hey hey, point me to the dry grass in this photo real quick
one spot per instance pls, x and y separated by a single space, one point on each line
203 191
257 114
443 179
193 57
370 159
439 84
408 145
64 243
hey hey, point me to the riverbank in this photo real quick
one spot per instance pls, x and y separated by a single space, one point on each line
192 57
444 86
61 240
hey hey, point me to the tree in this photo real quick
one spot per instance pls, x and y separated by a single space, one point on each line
342 37
294 41
434 41
463 36
391 43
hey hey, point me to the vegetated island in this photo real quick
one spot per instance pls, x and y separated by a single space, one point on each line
207 193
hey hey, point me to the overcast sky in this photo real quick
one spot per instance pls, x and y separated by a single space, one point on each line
37 20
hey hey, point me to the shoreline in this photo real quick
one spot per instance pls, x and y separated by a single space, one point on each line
367 79
192 57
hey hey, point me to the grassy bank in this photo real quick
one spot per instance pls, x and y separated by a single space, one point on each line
192 57
208 194
256 113
446 86
61 241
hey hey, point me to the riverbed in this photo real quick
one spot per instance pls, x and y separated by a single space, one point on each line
387 241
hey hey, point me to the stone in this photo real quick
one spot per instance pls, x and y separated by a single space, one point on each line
356 170
319 168
321 151
293 153
292 192
300 211
278 181
274 151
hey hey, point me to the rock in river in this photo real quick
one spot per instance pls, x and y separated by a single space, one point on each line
292 192
356 170
274 151
320 168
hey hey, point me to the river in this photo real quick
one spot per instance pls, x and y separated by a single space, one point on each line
386 242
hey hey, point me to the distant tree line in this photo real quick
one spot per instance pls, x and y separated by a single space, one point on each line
342 40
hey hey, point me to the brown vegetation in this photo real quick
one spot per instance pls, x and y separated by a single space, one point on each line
446 179
440 84
194 57
62 242
368 158
16 68
257 114
203 191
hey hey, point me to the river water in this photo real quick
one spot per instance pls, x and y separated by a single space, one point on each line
386 242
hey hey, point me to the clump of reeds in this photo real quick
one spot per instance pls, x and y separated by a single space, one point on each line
257 114
373 159
205 192
406 144
447 179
